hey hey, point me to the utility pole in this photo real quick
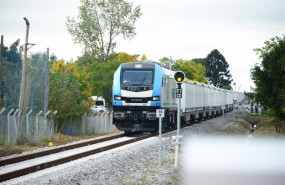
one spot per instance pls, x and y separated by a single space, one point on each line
1 48
23 95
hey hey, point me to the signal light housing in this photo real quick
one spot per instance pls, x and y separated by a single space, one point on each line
179 76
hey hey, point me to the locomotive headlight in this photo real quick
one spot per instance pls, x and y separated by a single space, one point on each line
118 98
155 98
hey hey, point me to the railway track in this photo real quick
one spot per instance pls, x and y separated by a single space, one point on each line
55 150
36 162
42 160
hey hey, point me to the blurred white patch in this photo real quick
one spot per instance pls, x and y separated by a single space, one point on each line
233 161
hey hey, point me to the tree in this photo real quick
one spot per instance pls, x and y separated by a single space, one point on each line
217 69
12 54
165 62
68 92
269 76
192 70
101 79
144 58
178 65
53 57
124 57
100 22
200 60
10 75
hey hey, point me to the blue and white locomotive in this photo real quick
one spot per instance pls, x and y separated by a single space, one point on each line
142 87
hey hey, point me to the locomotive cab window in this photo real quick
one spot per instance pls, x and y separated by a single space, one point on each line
137 77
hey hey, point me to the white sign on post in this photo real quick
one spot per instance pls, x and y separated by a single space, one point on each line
160 113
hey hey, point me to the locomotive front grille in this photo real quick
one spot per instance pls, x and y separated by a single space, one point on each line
136 100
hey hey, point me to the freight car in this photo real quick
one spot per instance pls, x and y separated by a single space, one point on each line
142 87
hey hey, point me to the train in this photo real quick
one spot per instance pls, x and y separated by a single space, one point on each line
140 88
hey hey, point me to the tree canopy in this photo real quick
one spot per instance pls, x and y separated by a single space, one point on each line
12 54
101 79
269 76
10 75
68 91
217 70
192 70
166 62
99 22
122 56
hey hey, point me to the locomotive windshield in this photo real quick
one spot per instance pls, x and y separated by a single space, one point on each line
141 77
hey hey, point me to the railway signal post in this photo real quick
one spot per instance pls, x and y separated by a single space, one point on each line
179 77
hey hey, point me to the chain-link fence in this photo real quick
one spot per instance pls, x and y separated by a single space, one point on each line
24 91
35 128
97 123
33 124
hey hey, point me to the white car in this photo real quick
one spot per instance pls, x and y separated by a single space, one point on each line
99 104
96 108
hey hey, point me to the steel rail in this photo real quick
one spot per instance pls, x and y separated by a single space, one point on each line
31 169
55 150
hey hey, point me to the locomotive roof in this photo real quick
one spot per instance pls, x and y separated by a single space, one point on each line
138 65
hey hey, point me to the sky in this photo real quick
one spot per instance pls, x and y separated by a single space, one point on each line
182 29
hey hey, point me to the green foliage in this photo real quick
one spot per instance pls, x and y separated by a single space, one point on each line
200 61
101 79
100 75
166 62
53 57
10 75
250 95
144 58
84 62
37 81
217 69
12 54
228 87
192 70
100 22
67 95
122 56
269 76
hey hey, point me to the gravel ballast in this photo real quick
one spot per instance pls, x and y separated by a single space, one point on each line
136 163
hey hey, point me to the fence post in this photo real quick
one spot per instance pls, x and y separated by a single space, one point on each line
8 126
1 125
15 122
111 120
45 125
37 126
105 121
83 124
94 122
27 120
102 131
52 128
